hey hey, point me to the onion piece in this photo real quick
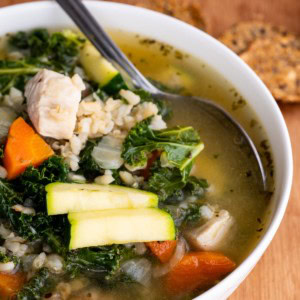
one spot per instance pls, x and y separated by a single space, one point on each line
139 269
140 248
7 116
107 153
180 251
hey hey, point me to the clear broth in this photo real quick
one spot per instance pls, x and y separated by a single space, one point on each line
233 178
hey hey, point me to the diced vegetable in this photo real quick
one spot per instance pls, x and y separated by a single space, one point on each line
104 262
163 269
107 154
198 270
11 284
179 146
120 226
162 250
24 148
63 198
96 67
41 283
58 51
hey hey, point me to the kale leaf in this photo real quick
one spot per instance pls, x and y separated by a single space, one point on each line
17 73
30 227
8 198
171 186
179 146
101 261
88 166
185 214
33 181
192 213
32 185
166 182
196 186
60 49
39 285
8 258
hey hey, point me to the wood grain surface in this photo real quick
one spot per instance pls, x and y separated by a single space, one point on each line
277 275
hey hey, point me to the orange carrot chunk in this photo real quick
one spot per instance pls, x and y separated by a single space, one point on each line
23 148
198 270
11 284
162 250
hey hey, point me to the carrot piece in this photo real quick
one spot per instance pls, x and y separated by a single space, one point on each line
197 270
162 250
11 284
23 148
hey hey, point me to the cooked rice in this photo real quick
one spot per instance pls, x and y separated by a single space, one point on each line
96 118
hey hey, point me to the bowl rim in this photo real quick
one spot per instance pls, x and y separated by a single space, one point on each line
243 269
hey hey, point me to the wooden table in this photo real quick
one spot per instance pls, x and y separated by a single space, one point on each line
277 275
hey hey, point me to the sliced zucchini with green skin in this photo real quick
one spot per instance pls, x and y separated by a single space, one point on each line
63 198
96 66
115 85
120 226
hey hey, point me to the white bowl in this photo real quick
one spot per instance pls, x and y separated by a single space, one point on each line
187 38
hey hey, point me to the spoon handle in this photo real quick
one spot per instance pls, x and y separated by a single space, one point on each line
103 43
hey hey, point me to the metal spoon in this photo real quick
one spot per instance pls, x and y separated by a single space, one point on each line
108 49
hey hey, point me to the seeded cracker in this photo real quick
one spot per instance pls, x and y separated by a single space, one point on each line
272 53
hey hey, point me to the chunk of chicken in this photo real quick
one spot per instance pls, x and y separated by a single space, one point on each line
52 103
209 237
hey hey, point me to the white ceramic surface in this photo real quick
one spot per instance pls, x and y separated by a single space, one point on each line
187 39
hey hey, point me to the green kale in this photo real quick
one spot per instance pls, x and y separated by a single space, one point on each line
183 215
101 261
63 52
38 226
17 73
88 166
30 227
8 198
196 186
171 185
192 213
179 146
166 183
8 258
39 285
60 49
19 40
33 181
